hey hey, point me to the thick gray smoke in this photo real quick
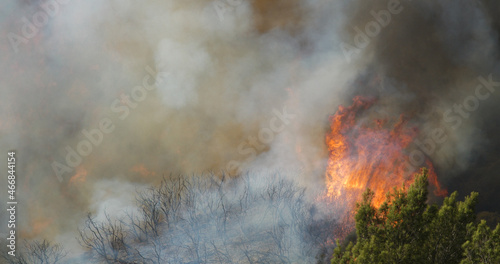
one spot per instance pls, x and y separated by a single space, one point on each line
99 98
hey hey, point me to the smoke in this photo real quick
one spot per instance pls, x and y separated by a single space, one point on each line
125 92
129 92
436 62
254 218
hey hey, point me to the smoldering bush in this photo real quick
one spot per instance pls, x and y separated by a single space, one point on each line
213 220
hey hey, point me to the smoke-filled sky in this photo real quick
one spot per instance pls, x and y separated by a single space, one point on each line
101 98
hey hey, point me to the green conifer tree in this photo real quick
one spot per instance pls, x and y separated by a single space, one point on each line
405 229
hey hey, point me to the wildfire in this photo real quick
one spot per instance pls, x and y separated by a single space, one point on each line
37 226
368 153
79 177
142 170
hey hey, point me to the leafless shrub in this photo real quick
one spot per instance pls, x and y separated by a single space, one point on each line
37 252
211 220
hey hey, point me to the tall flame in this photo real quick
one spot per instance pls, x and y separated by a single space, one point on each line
368 154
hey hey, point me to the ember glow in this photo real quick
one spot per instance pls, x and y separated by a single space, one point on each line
369 154
79 177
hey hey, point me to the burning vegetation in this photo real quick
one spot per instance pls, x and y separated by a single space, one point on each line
369 153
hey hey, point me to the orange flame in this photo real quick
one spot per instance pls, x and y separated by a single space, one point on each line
37 226
142 170
79 177
368 154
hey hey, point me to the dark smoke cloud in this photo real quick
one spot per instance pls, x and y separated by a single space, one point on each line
429 59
